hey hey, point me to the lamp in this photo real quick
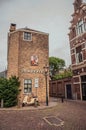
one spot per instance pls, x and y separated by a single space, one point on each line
46 67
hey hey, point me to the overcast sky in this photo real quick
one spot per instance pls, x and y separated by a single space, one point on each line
50 16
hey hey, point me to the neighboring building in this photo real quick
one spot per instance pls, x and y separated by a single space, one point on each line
61 87
75 87
3 74
77 39
28 52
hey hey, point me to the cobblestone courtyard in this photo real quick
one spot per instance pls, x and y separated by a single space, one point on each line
72 113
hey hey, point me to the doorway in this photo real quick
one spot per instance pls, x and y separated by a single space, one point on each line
83 86
68 91
83 91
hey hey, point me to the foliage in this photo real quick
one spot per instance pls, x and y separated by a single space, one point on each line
65 74
55 65
9 90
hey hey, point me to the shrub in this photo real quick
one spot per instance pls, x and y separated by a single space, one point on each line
9 90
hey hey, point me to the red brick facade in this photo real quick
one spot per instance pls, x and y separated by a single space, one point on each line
28 52
77 39
75 87
62 87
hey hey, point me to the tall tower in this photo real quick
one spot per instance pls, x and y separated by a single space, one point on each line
77 39
28 52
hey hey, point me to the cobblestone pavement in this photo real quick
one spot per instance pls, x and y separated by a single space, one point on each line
72 113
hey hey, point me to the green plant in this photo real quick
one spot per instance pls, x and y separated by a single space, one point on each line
55 64
9 90
65 74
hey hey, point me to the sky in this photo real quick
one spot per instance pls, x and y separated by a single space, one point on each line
50 16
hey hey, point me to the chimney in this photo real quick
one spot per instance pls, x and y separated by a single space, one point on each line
12 27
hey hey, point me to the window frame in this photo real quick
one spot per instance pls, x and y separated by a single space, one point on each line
80 27
27 36
27 86
84 26
78 61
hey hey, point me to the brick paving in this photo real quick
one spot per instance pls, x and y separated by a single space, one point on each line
73 113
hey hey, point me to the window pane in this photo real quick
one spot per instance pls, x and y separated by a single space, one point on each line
29 90
29 85
25 90
27 36
25 81
29 81
25 86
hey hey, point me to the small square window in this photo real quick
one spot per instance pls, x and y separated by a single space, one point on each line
27 36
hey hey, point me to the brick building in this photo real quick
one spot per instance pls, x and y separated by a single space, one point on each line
75 87
27 55
3 74
77 39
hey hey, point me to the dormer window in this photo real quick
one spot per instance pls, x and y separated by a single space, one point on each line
27 36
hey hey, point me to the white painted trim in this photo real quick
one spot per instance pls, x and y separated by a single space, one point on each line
79 62
77 37
72 54
78 45
83 49
76 76
76 83
72 48
84 60
22 30
23 88
73 64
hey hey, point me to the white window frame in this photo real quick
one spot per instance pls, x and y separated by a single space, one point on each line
28 37
84 26
80 27
27 89
77 58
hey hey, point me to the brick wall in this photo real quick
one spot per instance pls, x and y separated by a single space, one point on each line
19 60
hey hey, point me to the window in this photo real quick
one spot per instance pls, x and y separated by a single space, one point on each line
85 26
79 57
27 86
80 27
27 36
83 78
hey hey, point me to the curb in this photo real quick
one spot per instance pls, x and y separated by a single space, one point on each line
42 107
